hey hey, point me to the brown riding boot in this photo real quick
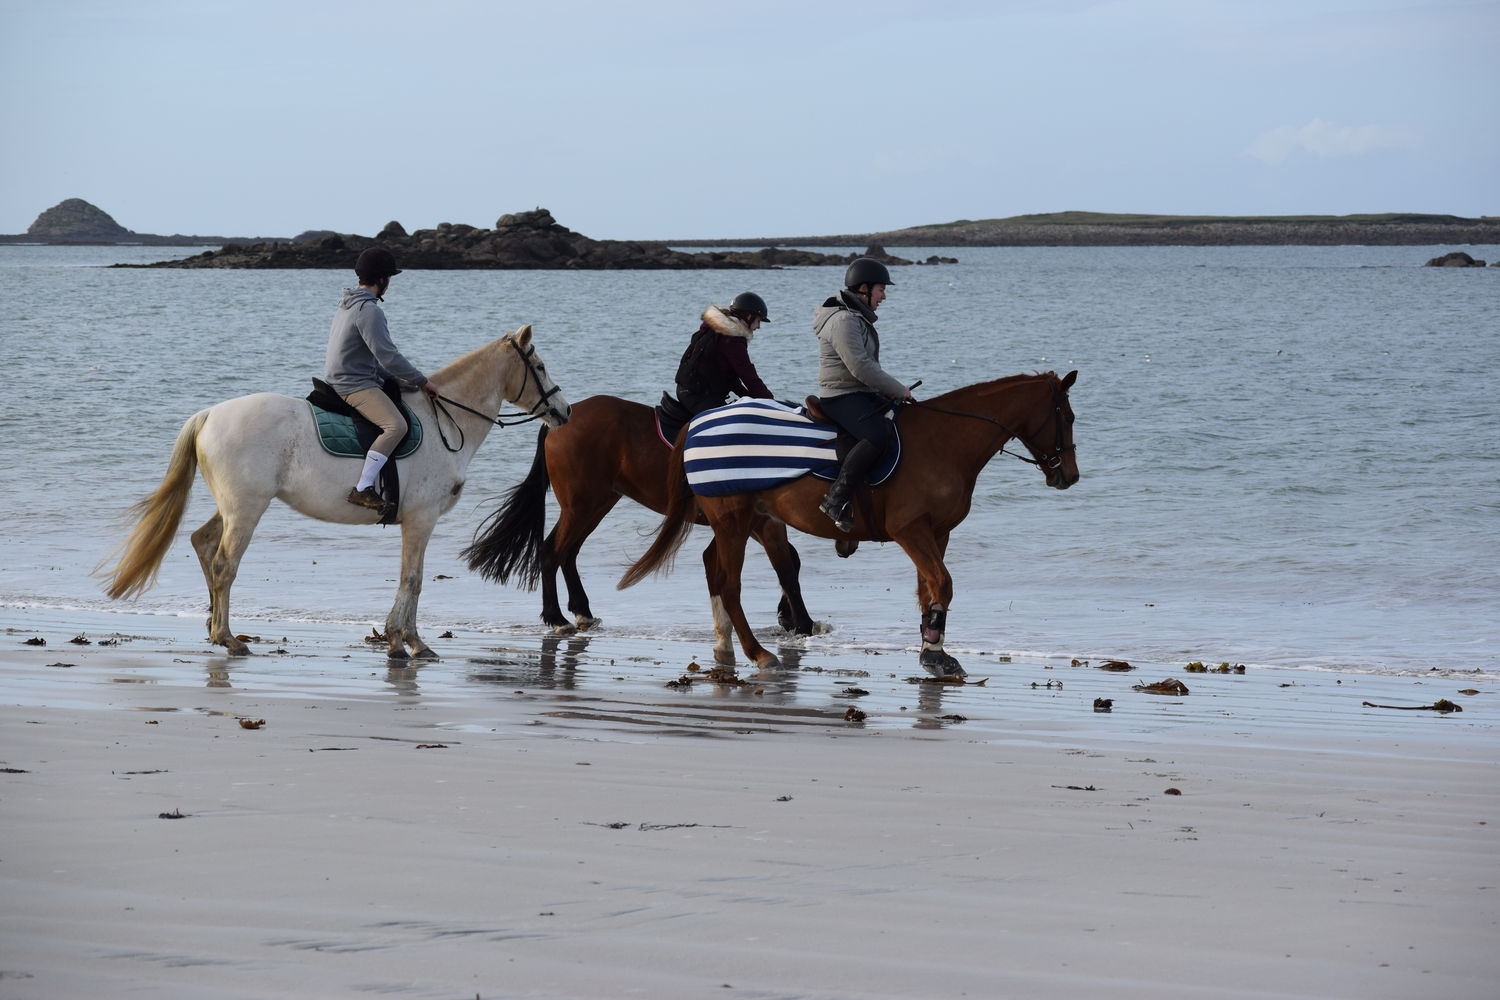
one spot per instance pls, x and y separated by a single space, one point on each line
368 498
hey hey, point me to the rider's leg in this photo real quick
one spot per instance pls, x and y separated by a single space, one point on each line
375 406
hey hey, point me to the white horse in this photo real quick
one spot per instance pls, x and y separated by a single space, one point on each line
256 448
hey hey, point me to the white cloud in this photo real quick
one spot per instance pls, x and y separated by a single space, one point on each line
1324 139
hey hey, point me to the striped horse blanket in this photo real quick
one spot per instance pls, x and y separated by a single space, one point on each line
755 444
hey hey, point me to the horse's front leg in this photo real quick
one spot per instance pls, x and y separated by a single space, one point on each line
934 595
401 623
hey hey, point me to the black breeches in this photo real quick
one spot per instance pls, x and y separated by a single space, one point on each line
863 415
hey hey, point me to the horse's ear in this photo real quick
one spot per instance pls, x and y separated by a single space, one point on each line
1069 379
523 335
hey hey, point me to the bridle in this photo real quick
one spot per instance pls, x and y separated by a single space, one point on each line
541 408
1050 462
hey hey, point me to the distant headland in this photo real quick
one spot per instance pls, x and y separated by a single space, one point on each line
1088 229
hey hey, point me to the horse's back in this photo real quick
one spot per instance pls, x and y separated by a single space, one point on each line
611 445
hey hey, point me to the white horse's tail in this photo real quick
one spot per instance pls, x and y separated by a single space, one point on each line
140 557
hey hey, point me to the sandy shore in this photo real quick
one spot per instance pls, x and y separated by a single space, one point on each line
542 817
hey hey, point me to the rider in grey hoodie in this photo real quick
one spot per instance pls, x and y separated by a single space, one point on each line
854 391
360 357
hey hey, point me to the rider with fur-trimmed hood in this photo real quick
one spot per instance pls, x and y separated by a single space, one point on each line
717 360
853 390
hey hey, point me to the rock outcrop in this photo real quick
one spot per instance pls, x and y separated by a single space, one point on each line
75 220
1455 259
531 240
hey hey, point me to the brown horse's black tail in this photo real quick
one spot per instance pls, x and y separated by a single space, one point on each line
508 543
682 511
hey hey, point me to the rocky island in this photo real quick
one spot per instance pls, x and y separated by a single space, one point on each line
531 240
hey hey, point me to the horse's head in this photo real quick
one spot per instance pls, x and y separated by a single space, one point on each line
1050 436
538 395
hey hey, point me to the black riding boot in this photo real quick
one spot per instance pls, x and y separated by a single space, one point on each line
857 465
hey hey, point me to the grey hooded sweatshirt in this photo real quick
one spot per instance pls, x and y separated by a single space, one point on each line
360 352
849 349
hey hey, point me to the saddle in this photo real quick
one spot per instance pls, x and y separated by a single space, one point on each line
670 416
342 431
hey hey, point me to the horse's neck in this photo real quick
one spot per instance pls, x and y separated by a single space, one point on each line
477 380
1006 401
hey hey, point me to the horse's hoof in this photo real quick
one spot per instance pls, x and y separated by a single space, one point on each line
940 664
426 653
724 656
587 622
239 649
396 654
767 660
565 628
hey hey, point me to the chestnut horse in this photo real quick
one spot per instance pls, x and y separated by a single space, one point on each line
610 448
945 442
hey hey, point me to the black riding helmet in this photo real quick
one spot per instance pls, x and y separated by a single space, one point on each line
748 305
866 271
374 264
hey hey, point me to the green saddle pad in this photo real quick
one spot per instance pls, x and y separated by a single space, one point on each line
337 436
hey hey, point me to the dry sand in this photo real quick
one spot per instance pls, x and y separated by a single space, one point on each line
532 817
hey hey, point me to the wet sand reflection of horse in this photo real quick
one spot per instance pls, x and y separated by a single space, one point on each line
609 449
264 447
946 442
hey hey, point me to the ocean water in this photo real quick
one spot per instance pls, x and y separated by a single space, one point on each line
1289 455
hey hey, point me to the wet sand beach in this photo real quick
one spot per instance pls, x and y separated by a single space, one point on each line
535 816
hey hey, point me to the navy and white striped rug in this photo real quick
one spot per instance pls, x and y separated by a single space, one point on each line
755 444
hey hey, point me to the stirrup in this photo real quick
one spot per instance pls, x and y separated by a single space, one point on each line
841 514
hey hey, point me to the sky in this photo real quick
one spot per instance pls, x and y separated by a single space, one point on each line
670 119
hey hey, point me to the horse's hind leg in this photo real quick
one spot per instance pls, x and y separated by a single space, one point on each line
713 573
552 615
221 544
729 546
791 612
575 524
206 543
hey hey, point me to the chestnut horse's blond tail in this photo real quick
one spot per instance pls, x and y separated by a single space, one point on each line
140 557
682 511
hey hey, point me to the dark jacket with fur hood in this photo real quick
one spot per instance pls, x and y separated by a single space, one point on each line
717 362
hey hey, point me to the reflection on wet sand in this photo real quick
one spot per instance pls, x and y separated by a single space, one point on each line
646 693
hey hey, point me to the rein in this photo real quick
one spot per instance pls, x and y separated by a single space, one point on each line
537 410
1050 461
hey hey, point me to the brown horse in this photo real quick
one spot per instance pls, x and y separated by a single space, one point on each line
945 444
609 448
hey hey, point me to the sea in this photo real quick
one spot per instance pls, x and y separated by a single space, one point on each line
1290 456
